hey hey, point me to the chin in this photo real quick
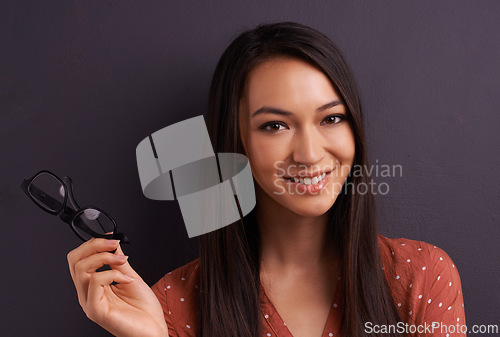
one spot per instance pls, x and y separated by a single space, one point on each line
305 206
309 211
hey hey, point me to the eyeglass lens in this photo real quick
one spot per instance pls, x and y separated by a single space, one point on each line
47 191
91 220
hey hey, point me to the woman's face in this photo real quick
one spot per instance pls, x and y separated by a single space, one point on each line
293 126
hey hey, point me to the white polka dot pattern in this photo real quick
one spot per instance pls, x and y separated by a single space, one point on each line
432 282
423 280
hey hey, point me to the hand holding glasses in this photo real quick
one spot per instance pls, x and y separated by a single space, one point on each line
52 194
117 288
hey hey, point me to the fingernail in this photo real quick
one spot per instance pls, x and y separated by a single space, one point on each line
128 277
112 242
121 257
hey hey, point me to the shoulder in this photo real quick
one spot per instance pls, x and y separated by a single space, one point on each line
397 248
187 272
181 279
406 263
415 257
422 277
176 292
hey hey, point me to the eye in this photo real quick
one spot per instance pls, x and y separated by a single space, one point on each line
334 119
272 126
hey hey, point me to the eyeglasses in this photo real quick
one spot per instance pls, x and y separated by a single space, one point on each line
51 194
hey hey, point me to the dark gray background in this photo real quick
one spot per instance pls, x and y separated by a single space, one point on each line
83 82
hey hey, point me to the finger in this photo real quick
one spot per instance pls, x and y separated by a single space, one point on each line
84 268
88 248
96 261
97 303
125 268
83 251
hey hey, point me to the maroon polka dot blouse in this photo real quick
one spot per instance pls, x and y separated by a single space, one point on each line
423 279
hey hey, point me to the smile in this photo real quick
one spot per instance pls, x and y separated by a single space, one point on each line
308 185
308 181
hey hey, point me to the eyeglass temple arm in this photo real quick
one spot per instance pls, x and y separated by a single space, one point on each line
122 237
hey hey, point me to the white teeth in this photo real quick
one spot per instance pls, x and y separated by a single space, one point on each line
309 181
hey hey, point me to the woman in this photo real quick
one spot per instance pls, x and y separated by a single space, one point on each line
307 261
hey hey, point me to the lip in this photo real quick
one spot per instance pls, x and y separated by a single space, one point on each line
309 175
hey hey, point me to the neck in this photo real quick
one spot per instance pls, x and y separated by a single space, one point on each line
291 243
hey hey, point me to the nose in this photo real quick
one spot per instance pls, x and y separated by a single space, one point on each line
308 148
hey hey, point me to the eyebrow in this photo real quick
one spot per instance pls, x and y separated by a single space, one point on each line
276 111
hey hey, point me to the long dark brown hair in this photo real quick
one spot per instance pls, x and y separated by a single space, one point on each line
228 300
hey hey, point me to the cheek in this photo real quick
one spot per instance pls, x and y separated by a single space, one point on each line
343 145
265 156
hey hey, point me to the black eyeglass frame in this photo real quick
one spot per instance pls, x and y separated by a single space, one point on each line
66 213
